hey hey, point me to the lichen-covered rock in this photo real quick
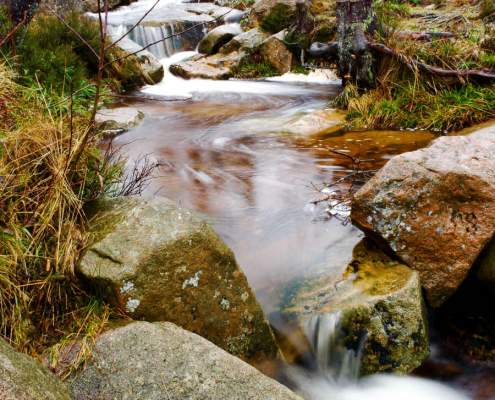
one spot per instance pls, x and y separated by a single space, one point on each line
22 378
273 15
248 41
216 67
377 308
159 262
435 208
145 361
217 37
274 51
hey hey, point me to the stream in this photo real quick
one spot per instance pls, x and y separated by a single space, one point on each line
239 153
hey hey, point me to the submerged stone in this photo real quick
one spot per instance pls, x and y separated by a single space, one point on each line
375 311
22 378
435 208
145 361
158 262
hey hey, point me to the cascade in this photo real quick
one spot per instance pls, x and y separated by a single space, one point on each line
333 359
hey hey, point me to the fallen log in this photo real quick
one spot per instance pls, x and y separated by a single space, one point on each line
414 64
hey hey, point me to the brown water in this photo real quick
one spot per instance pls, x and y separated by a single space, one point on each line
228 155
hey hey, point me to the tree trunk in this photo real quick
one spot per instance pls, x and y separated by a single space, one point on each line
355 21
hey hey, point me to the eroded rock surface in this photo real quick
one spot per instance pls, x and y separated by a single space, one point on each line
274 51
145 361
217 37
435 208
216 67
158 262
22 378
117 120
376 308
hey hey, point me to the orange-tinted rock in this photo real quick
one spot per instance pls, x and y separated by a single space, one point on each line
435 208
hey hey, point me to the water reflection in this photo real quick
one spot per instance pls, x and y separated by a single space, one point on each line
227 156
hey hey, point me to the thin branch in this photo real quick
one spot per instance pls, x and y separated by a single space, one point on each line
75 33
13 31
134 26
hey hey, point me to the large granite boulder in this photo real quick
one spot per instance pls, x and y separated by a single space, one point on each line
375 311
435 208
22 378
273 15
158 262
217 37
151 69
248 41
216 67
274 51
145 361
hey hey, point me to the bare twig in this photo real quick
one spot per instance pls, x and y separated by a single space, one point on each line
12 31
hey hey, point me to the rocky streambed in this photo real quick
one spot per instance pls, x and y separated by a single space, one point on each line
239 274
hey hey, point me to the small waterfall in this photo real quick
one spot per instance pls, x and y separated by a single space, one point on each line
168 44
333 359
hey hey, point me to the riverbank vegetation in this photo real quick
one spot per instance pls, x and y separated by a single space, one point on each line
455 38
50 168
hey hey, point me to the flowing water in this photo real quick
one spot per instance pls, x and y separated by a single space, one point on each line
240 153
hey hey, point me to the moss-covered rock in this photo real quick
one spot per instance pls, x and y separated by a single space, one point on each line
158 262
273 15
22 378
380 311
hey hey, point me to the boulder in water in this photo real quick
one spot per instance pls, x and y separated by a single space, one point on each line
217 66
273 15
274 51
22 378
145 361
375 312
158 262
316 122
151 68
217 37
435 208
247 41
113 121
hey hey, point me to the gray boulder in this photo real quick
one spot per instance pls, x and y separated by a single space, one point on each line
376 309
151 68
216 67
274 51
217 37
112 121
158 262
22 378
145 361
247 41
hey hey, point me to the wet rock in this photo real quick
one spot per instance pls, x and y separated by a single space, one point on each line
376 308
217 66
158 262
217 37
113 121
275 52
247 41
273 15
486 270
151 67
316 122
435 208
22 378
144 361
